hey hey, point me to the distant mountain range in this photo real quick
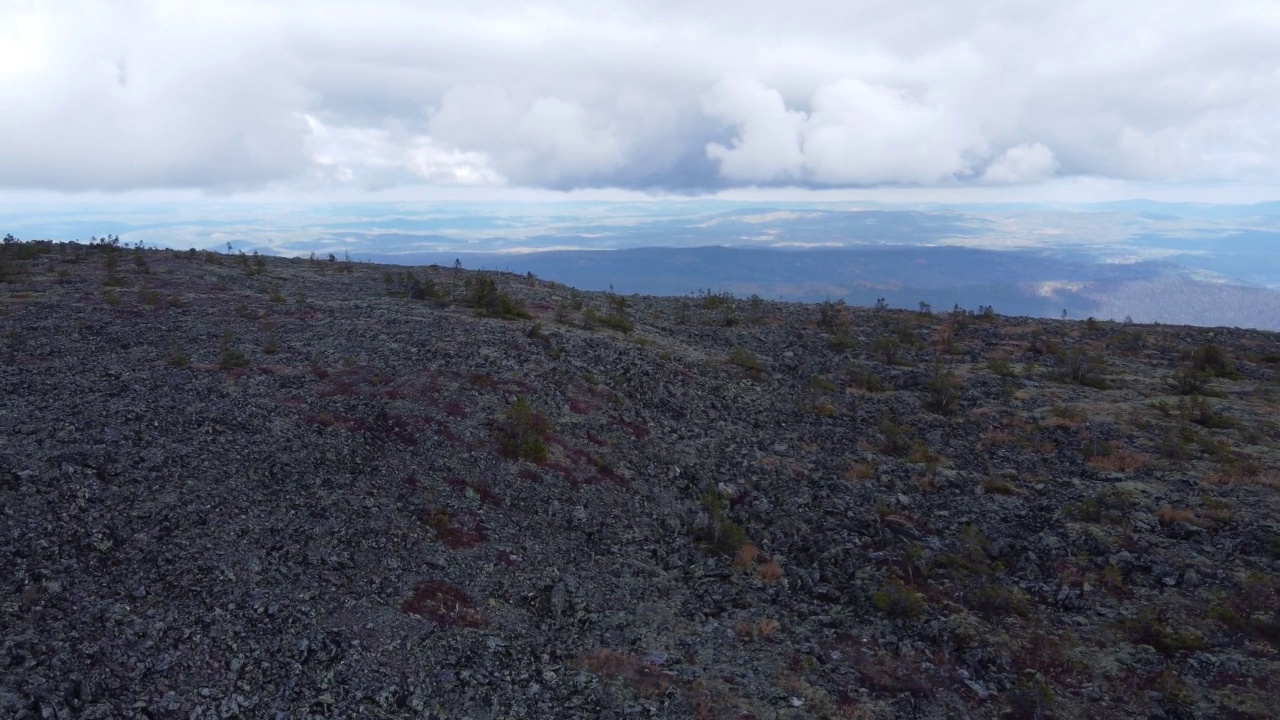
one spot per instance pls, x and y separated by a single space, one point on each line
1015 282
1157 262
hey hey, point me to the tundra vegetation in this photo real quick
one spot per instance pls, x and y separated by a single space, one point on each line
243 485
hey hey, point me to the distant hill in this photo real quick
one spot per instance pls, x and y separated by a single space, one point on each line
1036 283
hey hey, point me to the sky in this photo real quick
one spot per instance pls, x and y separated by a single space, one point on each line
856 98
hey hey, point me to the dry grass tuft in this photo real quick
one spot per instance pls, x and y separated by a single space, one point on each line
1167 515
1122 460
770 572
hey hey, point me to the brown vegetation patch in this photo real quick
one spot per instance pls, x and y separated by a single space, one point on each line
447 605
642 677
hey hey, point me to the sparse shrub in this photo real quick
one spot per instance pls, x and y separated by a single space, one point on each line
411 286
1109 505
821 384
746 360
996 600
1111 577
1219 511
866 380
833 317
888 349
726 535
1117 459
487 299
1083 368
150 297
1213 360
745 558
998 363
1152 627
1200 411
1189 381
714 301
942 391
177 358
840 341
1073 414
824 408
898 440
1031 699
230 358
612 321
998 486
897 600
523 432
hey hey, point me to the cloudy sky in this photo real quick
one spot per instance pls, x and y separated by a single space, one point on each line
242 98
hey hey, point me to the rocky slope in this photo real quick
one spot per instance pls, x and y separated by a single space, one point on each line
261 487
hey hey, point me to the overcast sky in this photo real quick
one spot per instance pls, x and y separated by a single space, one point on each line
667 96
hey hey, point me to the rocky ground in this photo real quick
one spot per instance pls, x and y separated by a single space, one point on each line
283 488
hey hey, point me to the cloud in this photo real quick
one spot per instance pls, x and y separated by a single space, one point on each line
856 134
113 101
658 95
767 147
1026 163
542 141
375 158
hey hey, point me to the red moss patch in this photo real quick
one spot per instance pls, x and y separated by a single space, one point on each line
642 677
447 605
641 432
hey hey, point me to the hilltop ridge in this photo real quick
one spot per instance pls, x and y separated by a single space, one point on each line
247 486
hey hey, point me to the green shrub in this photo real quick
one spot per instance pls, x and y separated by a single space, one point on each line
726 536
230 358
522 432
1151 627
177 358
150 297
999 364
612 320
821 384
943 391
744 359
713 301
1212 359
897 600
487 299
1000 600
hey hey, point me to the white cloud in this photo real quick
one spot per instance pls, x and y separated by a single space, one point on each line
380 157
864 134
768 144
115 100
535 141
1026 163
122 94
856 134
